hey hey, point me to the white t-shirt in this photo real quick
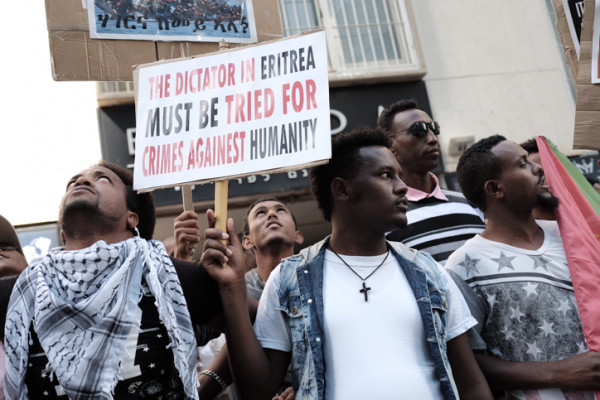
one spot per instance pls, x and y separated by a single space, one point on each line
374 348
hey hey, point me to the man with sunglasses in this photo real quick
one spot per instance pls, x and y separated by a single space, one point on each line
439 220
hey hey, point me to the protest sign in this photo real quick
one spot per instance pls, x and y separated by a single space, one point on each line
233 113
569 15
574 15
172 20
77 57
587 110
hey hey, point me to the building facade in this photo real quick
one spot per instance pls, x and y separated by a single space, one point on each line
477 69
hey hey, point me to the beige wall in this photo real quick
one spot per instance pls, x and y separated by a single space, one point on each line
495 67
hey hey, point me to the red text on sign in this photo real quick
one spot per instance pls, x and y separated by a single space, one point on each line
253 105
301 96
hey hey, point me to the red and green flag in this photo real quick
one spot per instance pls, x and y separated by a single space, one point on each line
578 217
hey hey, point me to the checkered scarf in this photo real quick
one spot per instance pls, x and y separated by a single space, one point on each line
83 304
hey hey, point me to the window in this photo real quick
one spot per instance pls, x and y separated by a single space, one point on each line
111 93
366 39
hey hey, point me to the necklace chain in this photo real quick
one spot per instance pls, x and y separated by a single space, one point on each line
364 288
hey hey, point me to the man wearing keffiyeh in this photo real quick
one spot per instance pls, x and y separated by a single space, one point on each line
109 315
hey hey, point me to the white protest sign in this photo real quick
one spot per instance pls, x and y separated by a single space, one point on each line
233 113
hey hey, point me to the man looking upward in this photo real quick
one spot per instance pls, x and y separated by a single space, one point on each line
110 315
270 231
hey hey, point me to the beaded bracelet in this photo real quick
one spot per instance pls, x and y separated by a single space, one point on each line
216 377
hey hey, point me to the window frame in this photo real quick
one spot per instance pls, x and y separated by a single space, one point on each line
345 73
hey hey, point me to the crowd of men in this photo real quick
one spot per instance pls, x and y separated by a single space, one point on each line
418 292
206 10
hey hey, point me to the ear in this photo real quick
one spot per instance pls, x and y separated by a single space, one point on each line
247 243
63 239
340 189
132 220
393 147
494 189
298 237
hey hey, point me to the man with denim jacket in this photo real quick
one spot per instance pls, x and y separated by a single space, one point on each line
356 316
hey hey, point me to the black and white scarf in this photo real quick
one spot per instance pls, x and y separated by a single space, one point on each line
83 305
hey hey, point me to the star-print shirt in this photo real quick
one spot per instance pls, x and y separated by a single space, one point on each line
523 301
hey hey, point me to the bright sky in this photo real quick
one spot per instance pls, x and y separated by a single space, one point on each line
49 129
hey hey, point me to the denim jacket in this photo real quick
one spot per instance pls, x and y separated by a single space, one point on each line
301 300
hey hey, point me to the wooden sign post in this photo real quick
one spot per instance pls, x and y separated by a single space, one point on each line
221 189
221 196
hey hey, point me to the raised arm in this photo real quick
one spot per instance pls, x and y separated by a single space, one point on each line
257 373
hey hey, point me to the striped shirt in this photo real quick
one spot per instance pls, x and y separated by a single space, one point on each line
439 227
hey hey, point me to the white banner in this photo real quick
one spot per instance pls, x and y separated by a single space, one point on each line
233 113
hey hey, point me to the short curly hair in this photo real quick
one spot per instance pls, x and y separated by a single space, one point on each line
476 166
140 203
344 163
386 118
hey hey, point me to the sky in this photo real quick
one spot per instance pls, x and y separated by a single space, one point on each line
49 129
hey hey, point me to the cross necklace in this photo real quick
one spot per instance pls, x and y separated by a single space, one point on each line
364 289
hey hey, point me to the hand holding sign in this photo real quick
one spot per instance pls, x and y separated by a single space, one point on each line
223 256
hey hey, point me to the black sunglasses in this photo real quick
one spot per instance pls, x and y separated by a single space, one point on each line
419 129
